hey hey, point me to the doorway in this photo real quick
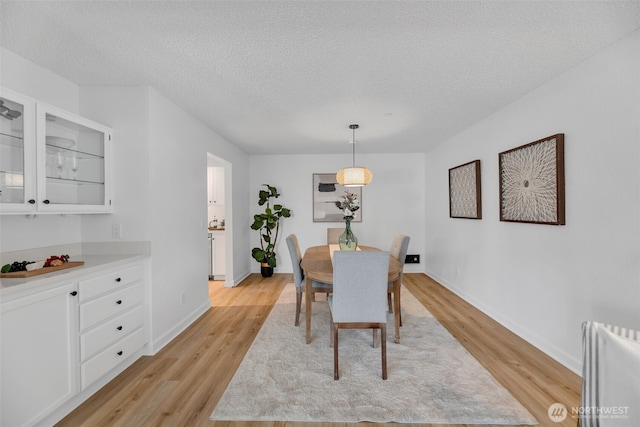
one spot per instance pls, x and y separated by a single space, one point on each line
219 219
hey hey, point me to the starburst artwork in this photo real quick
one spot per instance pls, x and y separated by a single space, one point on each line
532 182
465 199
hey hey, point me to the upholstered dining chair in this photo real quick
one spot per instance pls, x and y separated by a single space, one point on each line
399 247
359 297
298 275
333 234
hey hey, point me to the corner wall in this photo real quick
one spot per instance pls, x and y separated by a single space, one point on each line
543 281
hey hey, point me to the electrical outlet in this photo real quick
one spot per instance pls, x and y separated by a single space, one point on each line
412 259
183 298
116 231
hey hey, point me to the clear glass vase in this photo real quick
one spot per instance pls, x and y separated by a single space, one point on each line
347 240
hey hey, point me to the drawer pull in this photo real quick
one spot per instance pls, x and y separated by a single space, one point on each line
120 353
118 279
74 293
119 302
119 328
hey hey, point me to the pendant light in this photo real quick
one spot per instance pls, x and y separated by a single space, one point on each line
355 176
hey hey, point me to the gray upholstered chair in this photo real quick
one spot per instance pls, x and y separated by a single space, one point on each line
359 297
399 247
333 234
298 275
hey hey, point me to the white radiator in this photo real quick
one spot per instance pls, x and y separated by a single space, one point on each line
610 376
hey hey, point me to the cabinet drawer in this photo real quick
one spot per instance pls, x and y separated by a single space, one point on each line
108 359
110 305
110 332
108 282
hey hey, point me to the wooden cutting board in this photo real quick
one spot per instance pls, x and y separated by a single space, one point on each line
43 270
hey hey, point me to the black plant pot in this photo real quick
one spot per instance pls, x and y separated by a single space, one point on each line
265 270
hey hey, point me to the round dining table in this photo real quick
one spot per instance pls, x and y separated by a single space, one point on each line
317 265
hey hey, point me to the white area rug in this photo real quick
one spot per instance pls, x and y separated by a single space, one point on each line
432 378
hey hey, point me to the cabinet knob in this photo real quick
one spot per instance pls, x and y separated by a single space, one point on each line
32 202
46 202
119 328
119 353
119 302
74 293
118 279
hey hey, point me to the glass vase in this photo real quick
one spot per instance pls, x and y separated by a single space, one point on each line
347 240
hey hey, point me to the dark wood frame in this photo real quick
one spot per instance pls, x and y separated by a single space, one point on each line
476 186
559 183
335 214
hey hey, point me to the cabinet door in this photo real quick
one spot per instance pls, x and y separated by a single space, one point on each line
73 156
215 185
17 153
220 255
38 354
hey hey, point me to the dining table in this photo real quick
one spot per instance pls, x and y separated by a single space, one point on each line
317 265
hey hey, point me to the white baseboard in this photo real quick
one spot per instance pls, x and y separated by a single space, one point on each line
570 362
157 345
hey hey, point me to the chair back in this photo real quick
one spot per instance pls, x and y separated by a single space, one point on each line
360 286
333 234
399 247
296 257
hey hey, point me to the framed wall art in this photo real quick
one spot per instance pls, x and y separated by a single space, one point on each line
532 182
326 192
465 196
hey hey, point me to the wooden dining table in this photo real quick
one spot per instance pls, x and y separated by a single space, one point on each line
317 265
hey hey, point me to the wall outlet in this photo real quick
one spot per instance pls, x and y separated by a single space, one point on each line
183 297
412 259
116 231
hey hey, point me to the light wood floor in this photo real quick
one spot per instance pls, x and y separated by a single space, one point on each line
181 384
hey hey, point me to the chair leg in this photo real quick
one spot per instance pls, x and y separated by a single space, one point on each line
335 353
389 303
399 306
331 326
298 305
383 333
375 337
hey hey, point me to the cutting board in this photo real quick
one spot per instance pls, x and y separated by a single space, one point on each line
43 270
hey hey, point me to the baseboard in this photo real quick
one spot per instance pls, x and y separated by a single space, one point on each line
233 282
157 345
559 355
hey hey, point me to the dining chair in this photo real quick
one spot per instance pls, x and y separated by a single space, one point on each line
298 275
399 247
359 297
333 234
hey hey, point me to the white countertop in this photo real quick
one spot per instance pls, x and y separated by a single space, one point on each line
16 287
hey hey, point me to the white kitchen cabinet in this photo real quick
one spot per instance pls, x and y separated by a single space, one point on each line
17 153
39 365
215 185
219 258
62 341
111 322
52 161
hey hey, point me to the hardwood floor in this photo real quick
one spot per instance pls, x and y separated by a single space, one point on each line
181 384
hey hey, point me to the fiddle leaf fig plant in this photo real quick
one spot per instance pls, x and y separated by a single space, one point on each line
268 224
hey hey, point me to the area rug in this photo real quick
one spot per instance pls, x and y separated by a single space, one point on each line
431 377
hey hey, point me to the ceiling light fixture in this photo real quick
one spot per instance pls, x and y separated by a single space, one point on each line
355 176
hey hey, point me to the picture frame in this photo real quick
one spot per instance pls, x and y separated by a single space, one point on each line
326 192
465 193
532 182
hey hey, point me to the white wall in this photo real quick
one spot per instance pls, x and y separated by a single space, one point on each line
393 202
543 281
161 196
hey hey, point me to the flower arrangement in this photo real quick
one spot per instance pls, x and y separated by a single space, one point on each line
349 204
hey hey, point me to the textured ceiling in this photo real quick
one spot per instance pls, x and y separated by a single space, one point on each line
290 76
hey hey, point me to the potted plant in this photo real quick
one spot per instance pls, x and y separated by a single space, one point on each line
268 224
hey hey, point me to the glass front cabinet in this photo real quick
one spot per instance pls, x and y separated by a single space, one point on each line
51 161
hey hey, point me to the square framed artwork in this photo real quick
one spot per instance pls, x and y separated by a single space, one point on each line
532 182
465 195
326 192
